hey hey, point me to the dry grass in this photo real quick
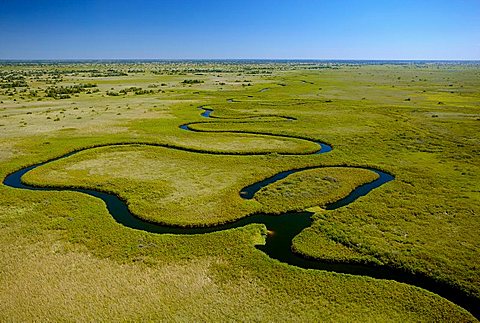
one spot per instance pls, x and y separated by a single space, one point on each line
55 282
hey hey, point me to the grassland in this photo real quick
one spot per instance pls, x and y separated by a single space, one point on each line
64 258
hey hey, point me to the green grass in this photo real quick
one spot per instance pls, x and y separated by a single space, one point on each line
63 257
315 187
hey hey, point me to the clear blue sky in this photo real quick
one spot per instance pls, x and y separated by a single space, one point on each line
407 29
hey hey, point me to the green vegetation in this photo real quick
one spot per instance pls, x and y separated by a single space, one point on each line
192 81
63 257
62 92
136 90
312 188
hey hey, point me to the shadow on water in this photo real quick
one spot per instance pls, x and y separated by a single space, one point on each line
281 230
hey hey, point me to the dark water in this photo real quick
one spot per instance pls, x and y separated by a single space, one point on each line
282 229
323 147
248 192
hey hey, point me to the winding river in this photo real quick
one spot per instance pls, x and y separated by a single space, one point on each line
282 228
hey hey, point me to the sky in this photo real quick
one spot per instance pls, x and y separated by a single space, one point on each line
243 29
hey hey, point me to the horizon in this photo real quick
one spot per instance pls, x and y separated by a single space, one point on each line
232 60
214 30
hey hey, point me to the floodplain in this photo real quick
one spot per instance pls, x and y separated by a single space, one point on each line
138 130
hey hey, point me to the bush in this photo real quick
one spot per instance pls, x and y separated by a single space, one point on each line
192 81
62 92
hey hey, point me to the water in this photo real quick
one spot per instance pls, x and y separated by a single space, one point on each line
282 228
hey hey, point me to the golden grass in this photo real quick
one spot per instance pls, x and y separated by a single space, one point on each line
55 281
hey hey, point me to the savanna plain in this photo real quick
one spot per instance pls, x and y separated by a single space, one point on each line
63 257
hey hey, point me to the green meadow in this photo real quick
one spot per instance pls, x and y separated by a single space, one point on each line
63 257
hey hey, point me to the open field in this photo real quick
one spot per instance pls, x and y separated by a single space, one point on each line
63 257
